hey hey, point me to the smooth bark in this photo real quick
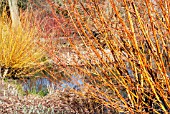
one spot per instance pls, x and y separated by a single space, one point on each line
14 13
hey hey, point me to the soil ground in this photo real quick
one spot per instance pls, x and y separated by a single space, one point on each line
11 102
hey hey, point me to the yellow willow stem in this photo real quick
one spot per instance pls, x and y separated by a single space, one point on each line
144 70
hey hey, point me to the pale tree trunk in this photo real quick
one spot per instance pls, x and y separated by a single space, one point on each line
14 13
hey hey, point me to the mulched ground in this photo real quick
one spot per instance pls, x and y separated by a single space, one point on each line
59 102
13 103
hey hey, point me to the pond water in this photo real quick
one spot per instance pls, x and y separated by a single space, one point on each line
45 85
35 85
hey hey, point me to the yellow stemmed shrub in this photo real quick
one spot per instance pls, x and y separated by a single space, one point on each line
19 53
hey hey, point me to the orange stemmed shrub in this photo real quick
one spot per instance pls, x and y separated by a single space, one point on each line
122 52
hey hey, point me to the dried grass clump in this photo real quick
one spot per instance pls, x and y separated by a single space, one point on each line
20 54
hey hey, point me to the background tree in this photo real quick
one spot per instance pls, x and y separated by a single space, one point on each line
12 7
14 13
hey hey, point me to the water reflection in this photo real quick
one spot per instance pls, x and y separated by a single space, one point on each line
44 84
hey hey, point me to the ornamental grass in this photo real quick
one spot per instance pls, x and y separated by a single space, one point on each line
20 54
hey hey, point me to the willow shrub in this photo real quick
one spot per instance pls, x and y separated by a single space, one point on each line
130 41
20 55
122 52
